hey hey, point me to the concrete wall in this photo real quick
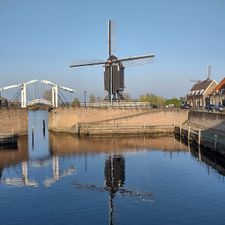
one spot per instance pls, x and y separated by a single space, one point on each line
65 119
15 120
208 120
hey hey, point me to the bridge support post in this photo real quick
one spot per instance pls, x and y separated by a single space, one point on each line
24 96
55 96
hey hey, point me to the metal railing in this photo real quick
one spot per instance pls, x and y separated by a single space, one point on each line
39 101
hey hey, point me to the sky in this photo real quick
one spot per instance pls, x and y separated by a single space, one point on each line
40 39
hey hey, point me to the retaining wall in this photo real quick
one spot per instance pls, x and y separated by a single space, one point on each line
13 120
67 119
208 120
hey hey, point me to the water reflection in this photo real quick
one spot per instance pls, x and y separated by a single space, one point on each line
212 161
53 156
50 149
69 144
114 173
32 164
119 174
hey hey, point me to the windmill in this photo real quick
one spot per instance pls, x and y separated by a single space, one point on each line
114 67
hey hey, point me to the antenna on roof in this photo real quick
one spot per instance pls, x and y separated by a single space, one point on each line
209 72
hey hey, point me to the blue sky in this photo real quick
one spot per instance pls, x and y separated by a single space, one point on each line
40 39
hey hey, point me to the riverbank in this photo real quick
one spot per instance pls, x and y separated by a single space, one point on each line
205 129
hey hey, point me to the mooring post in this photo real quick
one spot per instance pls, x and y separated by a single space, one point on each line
199 153
199 136
43 122
189 131
180 129
32 137
215 142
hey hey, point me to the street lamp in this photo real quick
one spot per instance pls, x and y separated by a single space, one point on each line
85 99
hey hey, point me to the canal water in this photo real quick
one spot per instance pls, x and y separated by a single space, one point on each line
61 179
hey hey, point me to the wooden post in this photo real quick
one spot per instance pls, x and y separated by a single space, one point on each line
43 127
215 142
199 137
199 153
180 129
189 131
32 137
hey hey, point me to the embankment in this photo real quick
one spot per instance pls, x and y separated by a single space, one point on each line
208 120
100 121
206 129
13 121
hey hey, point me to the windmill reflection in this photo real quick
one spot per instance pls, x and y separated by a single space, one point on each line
114 181
114 178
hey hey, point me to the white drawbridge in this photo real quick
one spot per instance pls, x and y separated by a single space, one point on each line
54 102
23 89
55 91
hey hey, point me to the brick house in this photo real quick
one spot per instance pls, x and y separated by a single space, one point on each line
197 97
217 96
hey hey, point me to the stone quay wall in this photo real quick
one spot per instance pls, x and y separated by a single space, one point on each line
69 119
13 121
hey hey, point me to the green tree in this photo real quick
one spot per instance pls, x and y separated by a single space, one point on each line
152 98
174 101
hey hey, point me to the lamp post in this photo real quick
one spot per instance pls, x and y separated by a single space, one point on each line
85 99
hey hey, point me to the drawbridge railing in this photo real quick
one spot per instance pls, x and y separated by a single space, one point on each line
39 102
